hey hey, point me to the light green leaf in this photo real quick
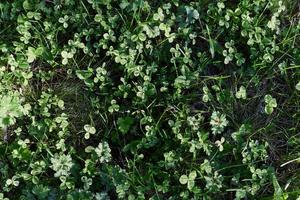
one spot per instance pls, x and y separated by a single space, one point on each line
86 136
89 129
191 184
142 37
98 18
270 104
278 192
241 94
65 61
26 5
269 110
273 103
192 175
31 56
298 86
83 74
124 4
183 179
66 54
268 98
39 51
89 149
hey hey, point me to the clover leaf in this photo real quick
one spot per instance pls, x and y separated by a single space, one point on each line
114 106
66 55
189 180
64 21
241 94
270 104
33 53
159 15
89 130
192 14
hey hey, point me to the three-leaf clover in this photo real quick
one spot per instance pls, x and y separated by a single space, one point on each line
89 130
159 15
64 21
13 181
32 53
241 94
192 14
114 106
189 180
219 144
35 15
66 55
270 104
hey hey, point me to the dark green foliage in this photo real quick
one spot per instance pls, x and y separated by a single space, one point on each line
149 99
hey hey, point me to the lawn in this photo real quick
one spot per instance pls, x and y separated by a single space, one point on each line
147 99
